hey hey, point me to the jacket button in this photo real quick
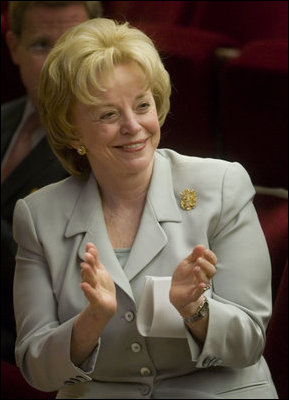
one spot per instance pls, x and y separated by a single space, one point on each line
212 362
129 316
81 378
207 362
145 371
135 347
145 390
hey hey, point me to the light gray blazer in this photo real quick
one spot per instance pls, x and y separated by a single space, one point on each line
52 227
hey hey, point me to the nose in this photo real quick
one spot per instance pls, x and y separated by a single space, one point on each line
129 124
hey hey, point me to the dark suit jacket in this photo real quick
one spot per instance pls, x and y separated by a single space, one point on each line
38 169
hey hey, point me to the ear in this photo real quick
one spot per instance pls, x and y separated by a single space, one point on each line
13 45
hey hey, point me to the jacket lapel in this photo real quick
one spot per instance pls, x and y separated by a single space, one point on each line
160 207
11 115
88 218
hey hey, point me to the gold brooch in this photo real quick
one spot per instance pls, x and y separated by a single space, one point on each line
188 199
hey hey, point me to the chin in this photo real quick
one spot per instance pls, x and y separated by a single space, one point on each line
140 164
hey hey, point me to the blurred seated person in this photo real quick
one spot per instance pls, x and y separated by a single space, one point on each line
27 162
129 210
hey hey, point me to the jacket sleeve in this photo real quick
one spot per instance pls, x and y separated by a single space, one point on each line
240 306
43 344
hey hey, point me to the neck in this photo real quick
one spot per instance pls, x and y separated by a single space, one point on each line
126 192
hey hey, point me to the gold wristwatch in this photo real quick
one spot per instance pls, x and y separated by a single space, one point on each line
199 314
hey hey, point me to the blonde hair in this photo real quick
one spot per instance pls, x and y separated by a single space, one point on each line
81 58
16 10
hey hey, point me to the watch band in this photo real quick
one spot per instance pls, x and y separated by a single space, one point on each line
200 313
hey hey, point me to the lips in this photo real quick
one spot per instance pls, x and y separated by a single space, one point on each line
134 146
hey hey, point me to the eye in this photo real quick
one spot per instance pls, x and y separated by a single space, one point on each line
40 47
143 106
108 115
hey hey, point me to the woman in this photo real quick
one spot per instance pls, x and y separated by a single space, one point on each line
85 244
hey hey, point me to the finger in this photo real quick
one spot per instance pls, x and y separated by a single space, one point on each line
198 291
211 256
91 259
198 251
89 262
88 274
208 270
91 256
89 245
93 250
89 292
200 275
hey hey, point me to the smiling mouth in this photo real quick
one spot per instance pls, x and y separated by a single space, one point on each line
133 146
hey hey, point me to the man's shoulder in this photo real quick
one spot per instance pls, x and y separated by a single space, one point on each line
11 106
11 114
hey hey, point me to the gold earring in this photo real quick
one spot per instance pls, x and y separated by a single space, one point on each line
81 150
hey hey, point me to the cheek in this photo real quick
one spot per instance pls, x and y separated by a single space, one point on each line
30 69
153 123
153 127
101 137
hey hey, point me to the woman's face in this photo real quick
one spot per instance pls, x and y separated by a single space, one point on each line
121 132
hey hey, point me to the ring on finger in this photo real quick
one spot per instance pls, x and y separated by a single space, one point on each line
207 287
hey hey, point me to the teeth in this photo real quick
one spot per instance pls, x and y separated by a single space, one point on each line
133 146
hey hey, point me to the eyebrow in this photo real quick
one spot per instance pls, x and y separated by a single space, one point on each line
140 96
39 38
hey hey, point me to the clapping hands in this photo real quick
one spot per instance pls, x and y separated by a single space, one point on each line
191 277
97 284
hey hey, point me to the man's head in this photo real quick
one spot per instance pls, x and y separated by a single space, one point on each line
35 26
